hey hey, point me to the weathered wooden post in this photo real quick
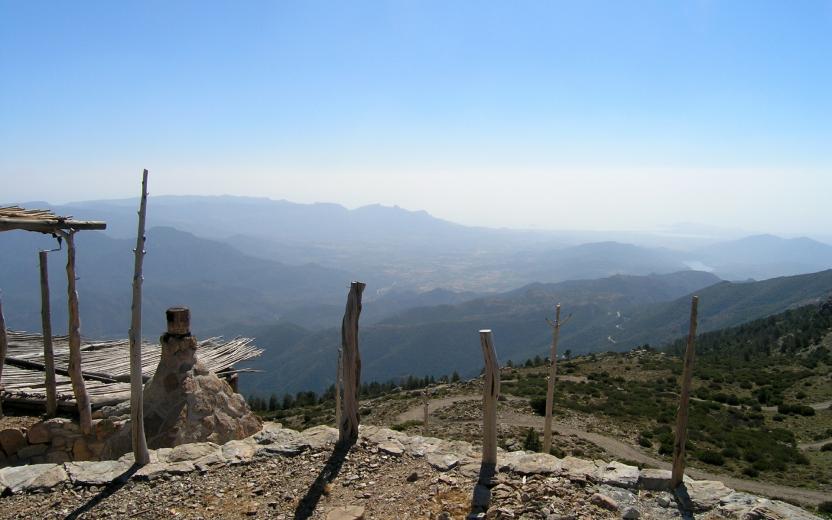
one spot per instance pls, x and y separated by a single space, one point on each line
426 398
550 387
338 388
490 392
46 325
351 365
684 399
140 453
79 388
4 345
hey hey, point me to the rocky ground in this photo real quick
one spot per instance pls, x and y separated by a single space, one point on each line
280 473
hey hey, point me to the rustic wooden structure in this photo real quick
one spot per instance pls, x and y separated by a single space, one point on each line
351 366
140 453
678 471
46 325
553 370
490 393
105 367
4 345
44 221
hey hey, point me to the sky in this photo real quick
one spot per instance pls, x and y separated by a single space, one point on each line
526 114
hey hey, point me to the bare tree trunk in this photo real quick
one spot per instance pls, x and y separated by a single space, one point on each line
140 452
684 399
490 392
46 325
4 346
351 365
338 388
79 388
550 387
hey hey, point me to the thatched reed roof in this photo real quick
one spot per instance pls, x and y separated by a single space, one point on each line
42 220
105 365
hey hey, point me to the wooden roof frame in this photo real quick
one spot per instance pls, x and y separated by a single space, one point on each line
43 221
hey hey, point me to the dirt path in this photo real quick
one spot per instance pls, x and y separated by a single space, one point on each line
417 413
823 405
814 445
623 451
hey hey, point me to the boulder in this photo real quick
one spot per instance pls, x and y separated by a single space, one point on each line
11 440
39 433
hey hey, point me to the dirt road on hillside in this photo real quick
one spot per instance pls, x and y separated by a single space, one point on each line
623 451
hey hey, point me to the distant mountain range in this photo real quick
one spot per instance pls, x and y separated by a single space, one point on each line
393 247
615 313
263 267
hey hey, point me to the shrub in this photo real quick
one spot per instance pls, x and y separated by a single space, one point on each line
751 472
796 409
645 442
826 447
730 452
532 441
710 457
825 507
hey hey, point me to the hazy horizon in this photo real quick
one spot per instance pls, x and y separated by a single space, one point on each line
525 116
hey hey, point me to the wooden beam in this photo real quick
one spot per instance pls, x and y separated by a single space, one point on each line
4 346
351 366
46 325
139 441
678 472
79 388
49 225
490 393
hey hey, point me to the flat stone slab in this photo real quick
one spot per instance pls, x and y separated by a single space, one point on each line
391 447
193 451
705 494
654 479
31 477
236 452
535 463
96 473
619 475
579 469
345 513
320 436
442 461
156 470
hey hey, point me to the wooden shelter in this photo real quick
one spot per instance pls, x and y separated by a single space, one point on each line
105 367
62 228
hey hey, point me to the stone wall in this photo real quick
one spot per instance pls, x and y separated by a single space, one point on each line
55 440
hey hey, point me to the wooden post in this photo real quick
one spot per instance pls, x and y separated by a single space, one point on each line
351 365
46 326
4 346
490 392
79 389
338 388
684 398
139 440
426 397
550 387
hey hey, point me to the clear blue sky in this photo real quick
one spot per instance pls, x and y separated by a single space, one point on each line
608 115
